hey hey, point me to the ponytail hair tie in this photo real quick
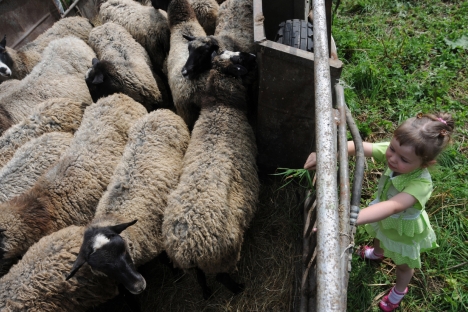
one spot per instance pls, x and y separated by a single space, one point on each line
441 120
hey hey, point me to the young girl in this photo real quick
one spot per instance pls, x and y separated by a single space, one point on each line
396 218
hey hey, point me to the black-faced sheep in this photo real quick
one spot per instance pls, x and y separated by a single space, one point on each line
234 32
22 61
57 114
37 282
148 171
147 26
182 22
70 190
216 198
30 161
60 73
122 66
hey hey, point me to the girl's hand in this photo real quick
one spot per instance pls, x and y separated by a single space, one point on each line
311 162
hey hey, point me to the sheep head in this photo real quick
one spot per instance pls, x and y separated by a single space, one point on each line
106 252
200 52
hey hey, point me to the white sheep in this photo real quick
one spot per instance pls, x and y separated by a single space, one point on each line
60 73
148 26
22 61
30 161
148 171
182 22
37 282
70 190
56 114
122 66
208 213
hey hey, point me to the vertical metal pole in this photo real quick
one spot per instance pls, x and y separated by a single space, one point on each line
328 266
344 194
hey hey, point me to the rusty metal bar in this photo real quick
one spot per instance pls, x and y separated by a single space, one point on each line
328 272
357 181
344 193
70 8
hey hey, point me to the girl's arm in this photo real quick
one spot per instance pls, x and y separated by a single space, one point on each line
311 161
384 209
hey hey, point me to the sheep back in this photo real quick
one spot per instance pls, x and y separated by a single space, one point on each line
148 171
215 200
56 114
37 282
59 74
235 21
133 69
183 21
30 161
207 14
148 26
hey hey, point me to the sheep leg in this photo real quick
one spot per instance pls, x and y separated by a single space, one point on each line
201 279
229 283
176 272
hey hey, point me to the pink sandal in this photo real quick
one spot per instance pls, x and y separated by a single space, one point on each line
362 253
385 304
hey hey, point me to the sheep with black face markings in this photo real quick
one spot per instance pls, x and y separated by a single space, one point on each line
57 114
148 171
182 22
70 190
122 66
37 282
19 63
30 161
234 32
60 73
216 198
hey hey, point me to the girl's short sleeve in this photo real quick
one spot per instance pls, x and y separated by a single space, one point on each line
421 189
378 151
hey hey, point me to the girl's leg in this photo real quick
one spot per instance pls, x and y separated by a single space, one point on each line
377 249
403 276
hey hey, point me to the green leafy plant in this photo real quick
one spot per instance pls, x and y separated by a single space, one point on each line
300 176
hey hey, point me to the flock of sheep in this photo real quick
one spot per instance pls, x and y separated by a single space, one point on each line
123 141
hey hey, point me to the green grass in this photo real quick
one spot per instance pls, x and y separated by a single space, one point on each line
401 58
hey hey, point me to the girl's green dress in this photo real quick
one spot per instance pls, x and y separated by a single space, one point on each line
403 236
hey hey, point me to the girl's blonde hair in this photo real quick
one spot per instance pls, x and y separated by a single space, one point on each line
428 133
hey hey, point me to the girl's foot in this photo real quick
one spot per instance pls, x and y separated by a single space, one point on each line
366 252
392 301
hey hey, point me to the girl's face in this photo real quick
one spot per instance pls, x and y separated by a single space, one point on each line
402 159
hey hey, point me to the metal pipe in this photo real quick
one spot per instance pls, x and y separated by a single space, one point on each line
357 181
328 272
344 193
70 8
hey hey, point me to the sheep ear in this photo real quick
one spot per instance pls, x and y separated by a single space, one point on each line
237 70
80 260
3 42
189 38
120 227
99 78
94 61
